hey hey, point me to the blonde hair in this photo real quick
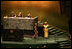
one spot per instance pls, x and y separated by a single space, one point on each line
45 22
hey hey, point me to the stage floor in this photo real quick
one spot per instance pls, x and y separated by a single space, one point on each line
56 36
40 40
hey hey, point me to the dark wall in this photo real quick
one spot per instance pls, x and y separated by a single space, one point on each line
45 10
65 7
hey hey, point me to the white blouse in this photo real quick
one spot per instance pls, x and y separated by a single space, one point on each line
46 26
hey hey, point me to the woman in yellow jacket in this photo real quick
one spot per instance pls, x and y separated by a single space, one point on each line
45 29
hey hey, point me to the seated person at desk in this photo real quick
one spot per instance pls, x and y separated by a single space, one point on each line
28 15
20 14
13 14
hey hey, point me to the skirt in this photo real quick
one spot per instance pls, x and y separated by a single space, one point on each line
46 32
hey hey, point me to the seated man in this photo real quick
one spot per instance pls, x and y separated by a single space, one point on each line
20 14
13 14
28 15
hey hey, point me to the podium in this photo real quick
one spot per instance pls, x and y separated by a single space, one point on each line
16 27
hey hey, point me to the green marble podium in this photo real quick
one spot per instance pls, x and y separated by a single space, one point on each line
19 23
16 27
